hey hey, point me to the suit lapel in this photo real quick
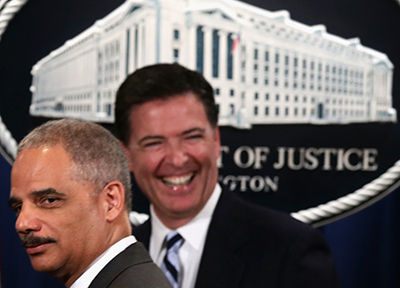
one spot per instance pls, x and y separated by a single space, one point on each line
221 264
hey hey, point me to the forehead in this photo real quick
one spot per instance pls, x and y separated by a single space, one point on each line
182 110
40 168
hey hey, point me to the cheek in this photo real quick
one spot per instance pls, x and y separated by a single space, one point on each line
146 163
206 154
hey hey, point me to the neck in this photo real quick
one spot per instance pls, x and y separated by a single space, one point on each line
110 237
173 223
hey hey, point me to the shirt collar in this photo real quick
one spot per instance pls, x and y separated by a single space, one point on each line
97 265
193 232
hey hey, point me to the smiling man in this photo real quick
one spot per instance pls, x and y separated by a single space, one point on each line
199 234
70 189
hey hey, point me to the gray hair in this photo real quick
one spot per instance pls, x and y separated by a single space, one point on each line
98 156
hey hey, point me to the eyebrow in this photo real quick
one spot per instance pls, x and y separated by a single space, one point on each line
150 137
44 192
48 191
159 137
197 129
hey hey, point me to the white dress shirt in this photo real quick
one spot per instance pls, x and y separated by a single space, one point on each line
97 265
194 233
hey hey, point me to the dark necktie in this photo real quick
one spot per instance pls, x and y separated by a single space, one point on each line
171 265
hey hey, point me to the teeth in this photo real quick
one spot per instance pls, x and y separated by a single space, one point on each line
178 181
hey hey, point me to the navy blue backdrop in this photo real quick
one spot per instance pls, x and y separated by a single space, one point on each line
365 245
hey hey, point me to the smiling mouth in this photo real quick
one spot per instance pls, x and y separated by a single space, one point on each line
178 181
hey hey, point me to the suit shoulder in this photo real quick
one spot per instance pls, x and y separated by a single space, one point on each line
141 276
270 223
134 268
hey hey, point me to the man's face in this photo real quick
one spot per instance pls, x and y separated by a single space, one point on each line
173 154
58 219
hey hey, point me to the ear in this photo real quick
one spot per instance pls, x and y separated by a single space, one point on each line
128 155
114 193
217 141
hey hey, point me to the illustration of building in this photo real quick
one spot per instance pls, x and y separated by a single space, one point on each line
265 67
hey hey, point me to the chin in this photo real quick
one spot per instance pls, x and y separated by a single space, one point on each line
43 265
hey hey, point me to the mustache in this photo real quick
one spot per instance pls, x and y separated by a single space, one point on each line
32 240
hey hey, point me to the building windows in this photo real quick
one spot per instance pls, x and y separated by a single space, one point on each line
277 97
266 111
215 54
117 48
266 56
176 55
231 109
111 72
255 110
255 54
117 70
256 96
108 109
230 58
276 111
217 92
112 50
98 102
176 34
232 92
200 50
267 96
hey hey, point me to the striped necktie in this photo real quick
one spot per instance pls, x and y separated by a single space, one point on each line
171 265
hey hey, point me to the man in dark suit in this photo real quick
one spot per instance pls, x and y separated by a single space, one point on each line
70 189
199 234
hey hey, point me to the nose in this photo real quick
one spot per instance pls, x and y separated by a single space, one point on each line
27 221
176 154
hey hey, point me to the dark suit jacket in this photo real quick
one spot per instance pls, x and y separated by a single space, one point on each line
133 267
252 246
